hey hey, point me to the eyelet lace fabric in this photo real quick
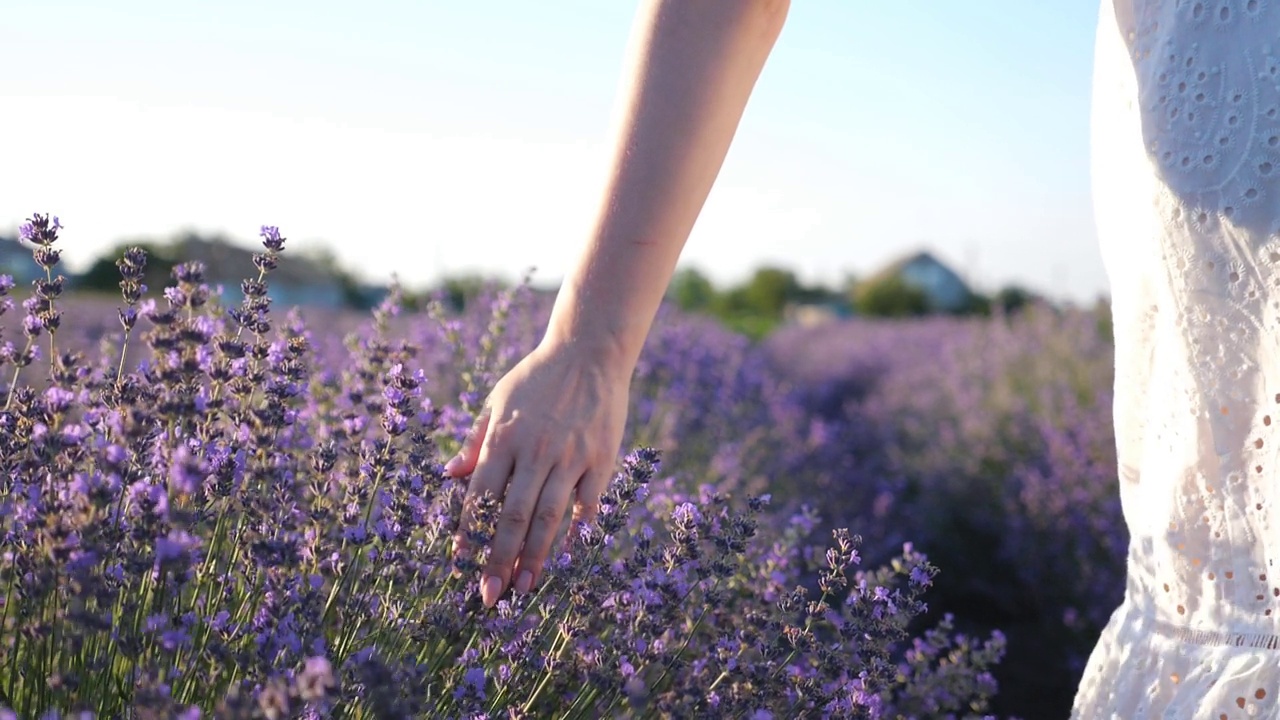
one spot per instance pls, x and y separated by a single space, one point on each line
1186 163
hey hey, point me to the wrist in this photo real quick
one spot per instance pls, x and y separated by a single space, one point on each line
606 305
609 351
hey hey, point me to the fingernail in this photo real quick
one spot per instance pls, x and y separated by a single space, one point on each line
453 464
490 589
524 582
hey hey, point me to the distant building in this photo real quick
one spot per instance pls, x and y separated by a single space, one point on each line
16 260
297 280
945 290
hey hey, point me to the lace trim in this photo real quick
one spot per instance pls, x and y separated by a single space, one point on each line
1215 638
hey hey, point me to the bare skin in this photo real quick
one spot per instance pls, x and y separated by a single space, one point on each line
552 426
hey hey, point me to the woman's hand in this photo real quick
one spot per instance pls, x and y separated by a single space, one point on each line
549 432
553 425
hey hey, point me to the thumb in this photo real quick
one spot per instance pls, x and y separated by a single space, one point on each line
464 463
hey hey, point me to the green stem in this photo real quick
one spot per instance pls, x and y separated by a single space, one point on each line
585 700
716 684
808 624
667 666
13 384
4 621
53 352
368 513
546 676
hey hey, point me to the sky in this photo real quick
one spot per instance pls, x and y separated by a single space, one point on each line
433 137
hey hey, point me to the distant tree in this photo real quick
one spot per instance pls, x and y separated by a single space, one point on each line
691 290
355 295
754 307
890 296
771 289
101 276
766 294
462 289
1105 323
979 304
1013 298
104 276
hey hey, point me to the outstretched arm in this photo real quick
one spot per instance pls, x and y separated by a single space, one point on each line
552 426
692 67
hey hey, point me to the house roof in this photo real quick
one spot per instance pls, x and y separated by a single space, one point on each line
921 256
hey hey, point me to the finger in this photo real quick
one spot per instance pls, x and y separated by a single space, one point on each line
587 499
464 463
490 476
547 518
586 505
513 525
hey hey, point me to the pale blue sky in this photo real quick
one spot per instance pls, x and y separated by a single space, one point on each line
431 136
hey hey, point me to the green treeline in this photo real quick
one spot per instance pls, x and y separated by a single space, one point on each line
755 306
764 300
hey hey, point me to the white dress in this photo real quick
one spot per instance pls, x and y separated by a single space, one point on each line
1186 124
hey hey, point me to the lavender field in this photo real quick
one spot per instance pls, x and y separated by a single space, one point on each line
211 511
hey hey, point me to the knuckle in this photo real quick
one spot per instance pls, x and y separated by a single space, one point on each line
542 453
499 433
515 517
541 446
549 515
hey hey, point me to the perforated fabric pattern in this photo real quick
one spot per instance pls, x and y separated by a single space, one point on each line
1186 163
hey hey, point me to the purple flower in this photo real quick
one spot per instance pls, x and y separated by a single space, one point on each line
175 296
472 685
316 680
271 239
187 471
148 497
299 471
920 576
73 434
176 544
686 515
219 621
115 455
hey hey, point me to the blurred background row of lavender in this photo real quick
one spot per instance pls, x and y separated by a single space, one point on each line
987 441
978 431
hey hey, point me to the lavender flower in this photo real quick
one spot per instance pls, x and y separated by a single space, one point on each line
231 515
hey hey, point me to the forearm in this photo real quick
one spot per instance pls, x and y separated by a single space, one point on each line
691 69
